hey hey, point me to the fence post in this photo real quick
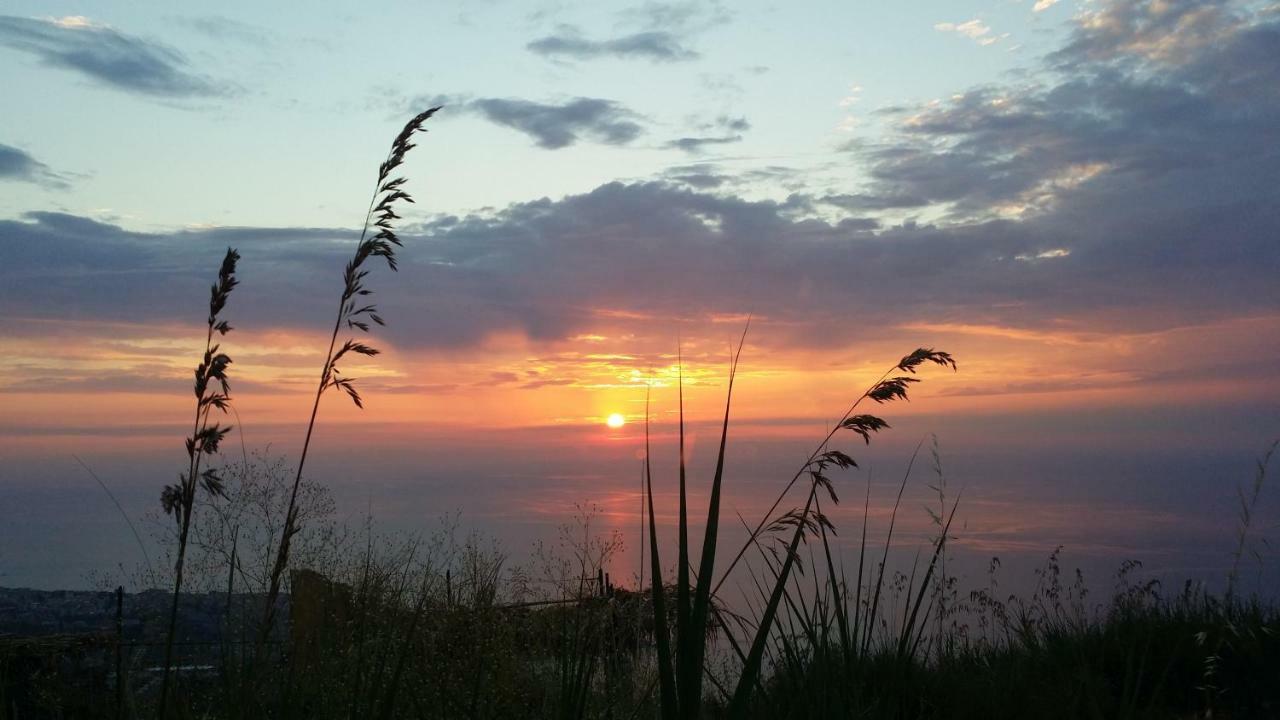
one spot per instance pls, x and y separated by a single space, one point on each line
119 652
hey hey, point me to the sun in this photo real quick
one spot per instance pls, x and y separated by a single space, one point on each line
615 420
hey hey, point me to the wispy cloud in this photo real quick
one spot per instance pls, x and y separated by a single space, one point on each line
654 31
975 30
656 45
724 130
681 17
553 125
695 145
105 55
852 97
221 28
18 165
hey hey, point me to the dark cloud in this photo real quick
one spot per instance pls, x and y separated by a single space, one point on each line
123 62
1137 33
695 145
545 268
734 124
864 202
555 126
17 164
654 31
658 46
1140 93
551 125
729 131
705 175
54 265
699 180
1144 201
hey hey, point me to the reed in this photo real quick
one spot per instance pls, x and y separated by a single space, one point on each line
681 669
378 239
212 392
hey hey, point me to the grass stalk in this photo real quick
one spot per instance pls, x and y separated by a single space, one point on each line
668 700
681 687
387 193
179 500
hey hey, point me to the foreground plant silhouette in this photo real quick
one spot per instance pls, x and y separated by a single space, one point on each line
212 392
680 682
356 316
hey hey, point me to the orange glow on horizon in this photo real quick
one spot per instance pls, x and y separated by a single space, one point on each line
137 376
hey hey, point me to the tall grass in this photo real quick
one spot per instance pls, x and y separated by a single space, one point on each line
1138 654
377 240
681 669
212 392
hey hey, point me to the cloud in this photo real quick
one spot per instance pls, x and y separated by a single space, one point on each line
1116 112
689 16
554 126
1108 198
863 202
103 54
852 97
658 46
728 123
695 145
1042 5
706 175
553 269
654 31
16 164
701 176
1169 31
975 30
729 129
221 28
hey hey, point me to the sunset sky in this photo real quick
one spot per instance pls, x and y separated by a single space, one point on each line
1079 200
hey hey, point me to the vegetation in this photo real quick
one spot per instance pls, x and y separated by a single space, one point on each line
377 240
433 626
179 500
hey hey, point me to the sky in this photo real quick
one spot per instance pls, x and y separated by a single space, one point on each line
1078 200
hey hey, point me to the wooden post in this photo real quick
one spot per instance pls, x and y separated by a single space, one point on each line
119 652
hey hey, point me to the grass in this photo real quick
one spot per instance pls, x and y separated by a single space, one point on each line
446 626
212 392
1138 655
680 669
433 626
377 240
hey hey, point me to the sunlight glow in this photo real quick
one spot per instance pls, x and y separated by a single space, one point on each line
616 420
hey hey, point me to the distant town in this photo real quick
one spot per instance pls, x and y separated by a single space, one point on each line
35 613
